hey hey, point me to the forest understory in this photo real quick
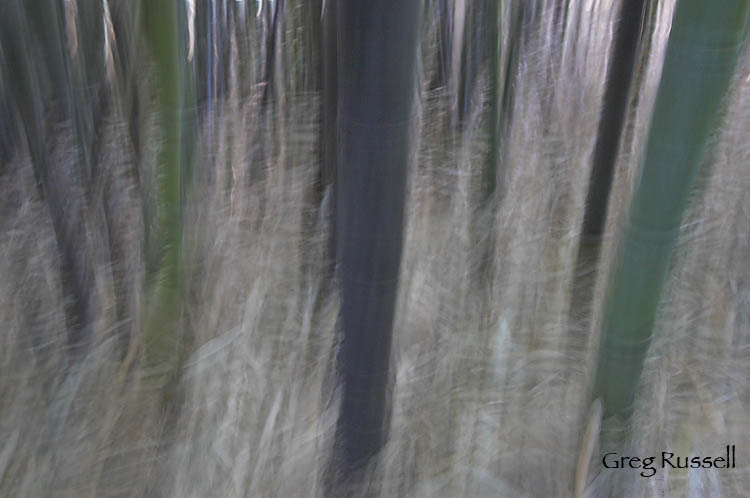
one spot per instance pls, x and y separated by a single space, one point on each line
490 365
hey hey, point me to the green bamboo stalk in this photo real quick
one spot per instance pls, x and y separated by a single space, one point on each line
163 29
491 41
698 67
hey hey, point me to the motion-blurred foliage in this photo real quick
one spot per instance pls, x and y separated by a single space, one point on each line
170 183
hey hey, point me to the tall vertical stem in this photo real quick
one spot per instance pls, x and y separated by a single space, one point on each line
377 55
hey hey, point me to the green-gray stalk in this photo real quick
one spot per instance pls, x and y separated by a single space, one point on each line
698 67
162 327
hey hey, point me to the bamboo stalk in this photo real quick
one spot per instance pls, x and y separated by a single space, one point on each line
377 56
698 67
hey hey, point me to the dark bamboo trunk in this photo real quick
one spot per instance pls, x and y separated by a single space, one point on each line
329 120
23 24
377 56
443 52
274 37
493 37
626 41
619 76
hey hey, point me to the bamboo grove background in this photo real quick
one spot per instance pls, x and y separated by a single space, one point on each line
170 302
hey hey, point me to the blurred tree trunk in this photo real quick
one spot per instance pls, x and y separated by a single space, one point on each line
560 20
626 42
27 26
377 54
457 49
8 132
493 41
701 55
443 52
480 50
146 425
124 26
274 38
517 14
164 28
90 98
619 75
490 47
329 120
470 58
313 10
